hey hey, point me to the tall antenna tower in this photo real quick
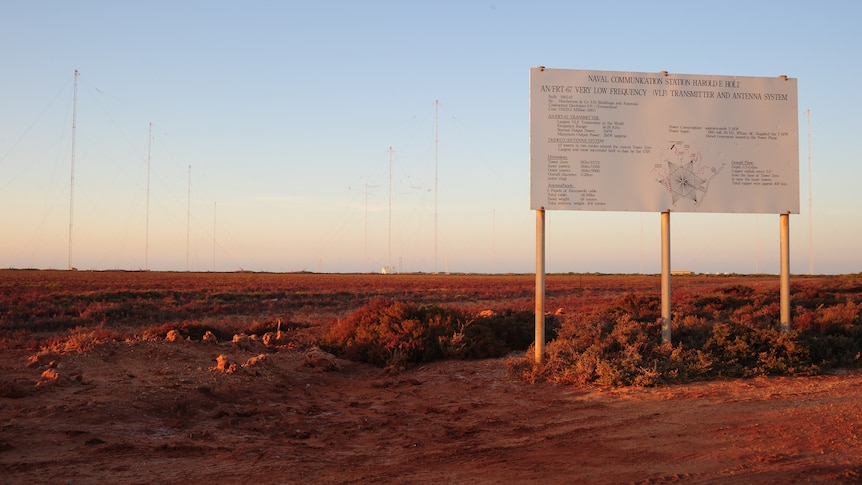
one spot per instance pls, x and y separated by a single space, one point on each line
389 253
756 244
436 143
365 261
72 176
188 217
147 229
810 213
365 253
642 243
493 241
214 234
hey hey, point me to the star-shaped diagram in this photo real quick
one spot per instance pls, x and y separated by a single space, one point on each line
686 176
684 182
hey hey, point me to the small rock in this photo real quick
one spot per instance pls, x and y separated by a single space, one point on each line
173 336
255 360
320 359
224 365
50 375
209 337
244 342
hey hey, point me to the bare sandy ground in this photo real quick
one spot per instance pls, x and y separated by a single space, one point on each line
166 412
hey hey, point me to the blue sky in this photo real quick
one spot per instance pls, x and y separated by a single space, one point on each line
272 122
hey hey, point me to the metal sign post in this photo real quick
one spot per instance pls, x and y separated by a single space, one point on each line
540 285
665 277
785 272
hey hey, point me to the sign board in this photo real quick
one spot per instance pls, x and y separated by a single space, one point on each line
628 141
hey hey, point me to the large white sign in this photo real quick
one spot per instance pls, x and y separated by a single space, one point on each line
627 141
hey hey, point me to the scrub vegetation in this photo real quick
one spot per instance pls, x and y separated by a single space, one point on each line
604 330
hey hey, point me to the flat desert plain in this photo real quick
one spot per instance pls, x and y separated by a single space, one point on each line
98 393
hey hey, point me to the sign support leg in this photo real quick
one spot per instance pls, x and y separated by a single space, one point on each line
785 272
540 286
665 277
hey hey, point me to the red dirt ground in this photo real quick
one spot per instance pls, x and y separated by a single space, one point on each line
157 411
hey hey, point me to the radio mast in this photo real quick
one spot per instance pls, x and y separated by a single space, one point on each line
365 260
214 235
810 213
147 229
389 253
72 177
436 143
188 217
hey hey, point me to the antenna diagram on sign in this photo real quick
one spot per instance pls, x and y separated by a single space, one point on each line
684 174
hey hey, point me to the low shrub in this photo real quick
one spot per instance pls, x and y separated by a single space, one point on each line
390 333
621 345
80 340
833 334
